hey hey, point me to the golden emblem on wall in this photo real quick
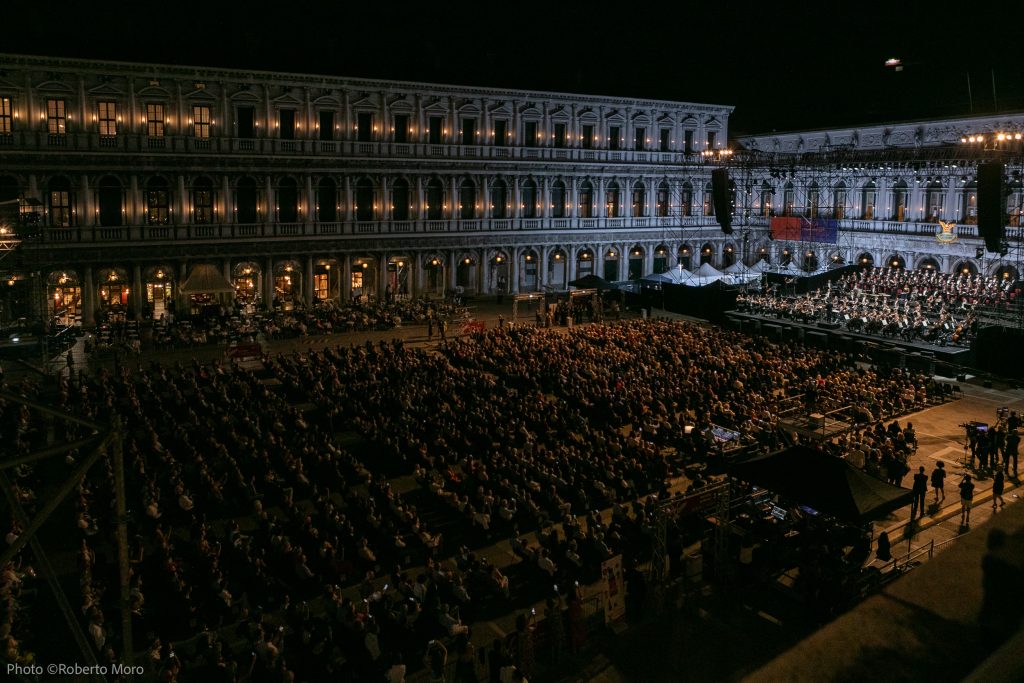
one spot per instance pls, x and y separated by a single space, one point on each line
945 234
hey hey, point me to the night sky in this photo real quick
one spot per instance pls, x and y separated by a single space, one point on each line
784 66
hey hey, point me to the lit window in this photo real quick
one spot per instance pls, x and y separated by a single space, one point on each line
6 124
155 120
201 121
56 117
107 117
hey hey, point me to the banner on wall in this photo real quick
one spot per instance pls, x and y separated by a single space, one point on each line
800 229
614 589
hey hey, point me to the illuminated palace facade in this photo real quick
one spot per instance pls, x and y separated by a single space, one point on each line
304 188
904 195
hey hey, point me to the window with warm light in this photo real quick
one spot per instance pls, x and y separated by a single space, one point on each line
201 121
6 116
56 117
558 199
155 120
639 199
663 199
613 200
586 199
202 201
686 200
61 212
106 117
157 202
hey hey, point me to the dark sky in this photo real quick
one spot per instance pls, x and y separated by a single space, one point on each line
783 65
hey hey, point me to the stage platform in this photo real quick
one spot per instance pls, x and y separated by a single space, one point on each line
915 354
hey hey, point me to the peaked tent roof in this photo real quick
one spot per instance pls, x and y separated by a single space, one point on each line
739 267
206 278
707 270
824 482
591 282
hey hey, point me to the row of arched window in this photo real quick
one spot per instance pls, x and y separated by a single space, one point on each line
368 199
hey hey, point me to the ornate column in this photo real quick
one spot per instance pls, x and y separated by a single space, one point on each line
345 261
452 278
227 215
309 215
485 265
307 293
88 297
88 204
268 283
181 205
137 297
514 270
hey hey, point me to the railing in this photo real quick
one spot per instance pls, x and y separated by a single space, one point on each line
250 231
141 142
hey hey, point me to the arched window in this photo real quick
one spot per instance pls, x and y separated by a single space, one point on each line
61 200
899 201
766 199
788 199
969 214
327 200
839 200
435 199
663 200
613 200
586 199
934 201
247 201
686 200
558 199
528 198
110 199
364 200
157 202
499 199
400 204
467 199
287 201
202 201
813 199
709 204
868 200
639 199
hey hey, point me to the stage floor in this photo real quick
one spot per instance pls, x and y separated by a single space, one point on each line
949 354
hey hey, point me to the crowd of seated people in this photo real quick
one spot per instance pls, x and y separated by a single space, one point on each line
915 305
246 515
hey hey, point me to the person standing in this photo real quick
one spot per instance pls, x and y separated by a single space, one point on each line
966 496
430 327
997 489
1010 452
920 490
939 482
